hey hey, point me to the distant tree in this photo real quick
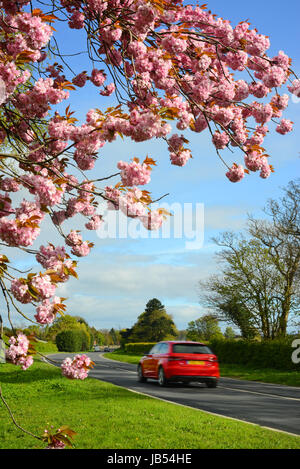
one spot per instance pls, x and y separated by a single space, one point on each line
93 333
154 305
100 338
204 328
228 302
181 335
229 333
107 338
66 322
124 336
81 321
153 325
38 331
115 335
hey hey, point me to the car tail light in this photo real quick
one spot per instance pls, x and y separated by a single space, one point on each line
213 359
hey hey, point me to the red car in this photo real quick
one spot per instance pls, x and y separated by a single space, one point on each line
180 361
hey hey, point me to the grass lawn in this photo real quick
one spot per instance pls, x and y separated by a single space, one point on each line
289 378
107 416
266 375
123 357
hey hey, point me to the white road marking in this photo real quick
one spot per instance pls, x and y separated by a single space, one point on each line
277 396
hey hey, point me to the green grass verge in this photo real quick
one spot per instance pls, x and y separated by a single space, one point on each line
45 347
289 378
123 357
108 416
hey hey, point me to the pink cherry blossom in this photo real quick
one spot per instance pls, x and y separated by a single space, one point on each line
284 127
134 173
76 368
236 173
18 350
46 312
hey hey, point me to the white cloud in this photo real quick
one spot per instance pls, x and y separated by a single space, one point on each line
113 289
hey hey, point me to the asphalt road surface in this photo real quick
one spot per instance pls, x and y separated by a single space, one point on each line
268 405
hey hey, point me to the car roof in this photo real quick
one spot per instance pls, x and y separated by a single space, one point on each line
180 342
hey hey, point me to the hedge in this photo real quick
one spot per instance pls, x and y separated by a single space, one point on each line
266 354
72 340
139 348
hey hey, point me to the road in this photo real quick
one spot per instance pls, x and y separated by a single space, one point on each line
268 405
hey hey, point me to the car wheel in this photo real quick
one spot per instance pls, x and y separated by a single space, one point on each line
162 381
213 383
141 377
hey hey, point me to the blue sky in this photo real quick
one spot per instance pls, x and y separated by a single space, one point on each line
121 275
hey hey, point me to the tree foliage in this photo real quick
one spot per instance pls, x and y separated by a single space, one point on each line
153 324
204 328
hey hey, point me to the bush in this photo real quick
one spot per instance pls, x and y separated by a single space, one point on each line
85 341
139 348
266 354
71 340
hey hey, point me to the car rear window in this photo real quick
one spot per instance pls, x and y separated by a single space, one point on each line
190 348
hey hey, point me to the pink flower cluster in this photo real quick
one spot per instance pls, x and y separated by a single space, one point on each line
220 140
43 188
5 205
9 185
98 77
153 220
131 203
80 248
128 202
35 102
40 284
12 76
76 368
94 223
284 127
55 259
32 30
253 161
295 88
134 173
236 173
46 311
18 350
179 155
24 229
19 288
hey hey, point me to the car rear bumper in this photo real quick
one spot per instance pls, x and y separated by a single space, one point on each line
192 373
200 379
